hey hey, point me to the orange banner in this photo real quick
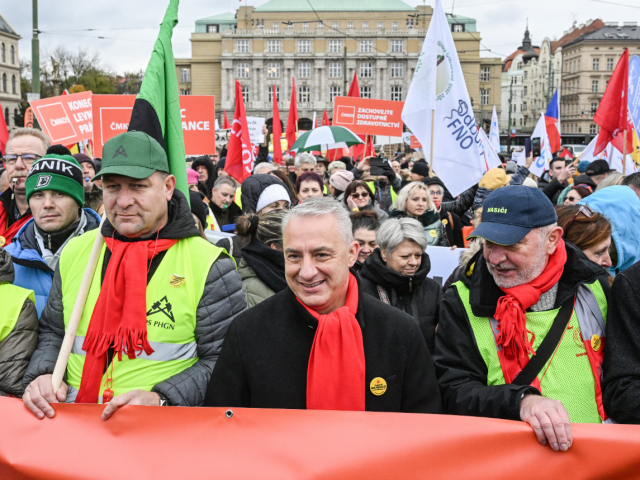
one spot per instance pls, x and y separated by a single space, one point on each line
173 443
66 119
414 142
368 116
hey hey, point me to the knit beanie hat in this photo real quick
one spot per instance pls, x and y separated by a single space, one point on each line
420 168
82 158
61 173
494 178
341 179
192 176
273 193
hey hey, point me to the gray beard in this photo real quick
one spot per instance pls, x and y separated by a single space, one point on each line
524 276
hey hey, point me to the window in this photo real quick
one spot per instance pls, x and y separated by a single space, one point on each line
245 94
13 55
394 25
484 97
396 46
304 70
4 82
596 64
366 46
305 26
3 54
6 115
396 93
270 94
185 74
610 64
365 25
520 121
334 91
304 46
349 25
335 25
594 86
524 106
242 70
335 46
524 91
519 66
457 27
273 70
276 26
396 69
212 28
335 69
242 46
380 25
593 129
320 25
409 22
185 91
594 107
273 46
485 74
304 94
366 69
13 84
260 24
290 26
365 92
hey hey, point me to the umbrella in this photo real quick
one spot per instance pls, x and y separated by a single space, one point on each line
325 138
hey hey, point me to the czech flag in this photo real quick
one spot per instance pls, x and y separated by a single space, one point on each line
552 122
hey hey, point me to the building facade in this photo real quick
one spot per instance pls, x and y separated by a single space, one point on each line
284 41
9 72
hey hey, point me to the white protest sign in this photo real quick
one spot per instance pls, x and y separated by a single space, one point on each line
255 125
217 125
222 137
443 262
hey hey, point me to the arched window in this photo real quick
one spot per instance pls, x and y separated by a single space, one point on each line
3 53
6 115
12 54
15 114
4 82
13 84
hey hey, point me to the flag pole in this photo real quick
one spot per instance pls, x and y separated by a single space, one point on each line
366 144
624 152
433 116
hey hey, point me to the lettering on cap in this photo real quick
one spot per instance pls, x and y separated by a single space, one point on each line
496 210
120 151
43 181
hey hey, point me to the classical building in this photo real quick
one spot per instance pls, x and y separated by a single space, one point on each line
320 49
9 72
588 62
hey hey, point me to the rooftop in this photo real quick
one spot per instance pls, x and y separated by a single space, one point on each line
628 31
575 32
6 28
335 6
227 17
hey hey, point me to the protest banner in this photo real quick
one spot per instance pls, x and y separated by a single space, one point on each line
66 119
111 115
255 125
163 443
222 137
414 143
28 117
443 262
368 116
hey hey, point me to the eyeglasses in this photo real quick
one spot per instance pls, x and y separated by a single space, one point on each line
585 210
27 158
358 195
432 193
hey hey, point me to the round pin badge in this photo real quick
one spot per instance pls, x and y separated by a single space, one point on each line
433 233
176 281
378 386
596 342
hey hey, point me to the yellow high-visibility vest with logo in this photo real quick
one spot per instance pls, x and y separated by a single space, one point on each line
173 294
13 299
394 195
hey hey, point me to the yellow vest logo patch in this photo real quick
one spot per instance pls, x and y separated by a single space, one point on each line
176 281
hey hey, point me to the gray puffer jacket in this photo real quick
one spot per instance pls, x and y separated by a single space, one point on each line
222 299
18 345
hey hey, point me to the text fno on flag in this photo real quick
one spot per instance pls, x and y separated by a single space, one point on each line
438 89
541 163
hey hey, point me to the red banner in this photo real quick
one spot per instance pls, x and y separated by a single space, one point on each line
167 443
414 142
368 116
112 113
65 119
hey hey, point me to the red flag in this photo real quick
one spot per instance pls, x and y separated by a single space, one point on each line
225 124
369 150
292 121
325 119
276 127
4 132
354 89
613 113
240 157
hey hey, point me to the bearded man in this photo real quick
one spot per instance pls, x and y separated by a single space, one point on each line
521 333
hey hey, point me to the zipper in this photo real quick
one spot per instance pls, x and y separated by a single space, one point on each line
49 240
411 284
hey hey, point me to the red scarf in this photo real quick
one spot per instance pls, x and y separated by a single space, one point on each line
512 318
125 284
336 373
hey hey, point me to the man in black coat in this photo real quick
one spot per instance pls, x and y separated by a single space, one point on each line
265 359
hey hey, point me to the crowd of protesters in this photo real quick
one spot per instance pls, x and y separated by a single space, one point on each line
308 286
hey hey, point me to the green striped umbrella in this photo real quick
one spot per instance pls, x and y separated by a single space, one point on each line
325 138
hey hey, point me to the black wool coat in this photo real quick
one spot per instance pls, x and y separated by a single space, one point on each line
264 358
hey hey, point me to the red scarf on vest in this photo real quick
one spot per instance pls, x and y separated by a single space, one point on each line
513 340
113 325
336 373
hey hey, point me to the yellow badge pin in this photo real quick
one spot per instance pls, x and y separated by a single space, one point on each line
176 281
378 386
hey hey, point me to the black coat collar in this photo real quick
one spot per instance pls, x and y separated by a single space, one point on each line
375 270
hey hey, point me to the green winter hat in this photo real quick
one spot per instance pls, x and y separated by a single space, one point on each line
133 154
61 173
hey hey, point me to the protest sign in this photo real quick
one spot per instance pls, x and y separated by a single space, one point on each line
414 143
368 116
634 91
65 119
112 113
443 262
222 137
255 125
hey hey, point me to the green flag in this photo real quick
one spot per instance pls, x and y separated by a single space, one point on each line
157 107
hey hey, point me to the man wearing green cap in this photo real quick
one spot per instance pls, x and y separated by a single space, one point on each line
160 301
55 197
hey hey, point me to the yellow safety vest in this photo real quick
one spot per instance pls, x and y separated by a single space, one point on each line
13 299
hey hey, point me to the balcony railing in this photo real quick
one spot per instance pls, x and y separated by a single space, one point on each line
327 32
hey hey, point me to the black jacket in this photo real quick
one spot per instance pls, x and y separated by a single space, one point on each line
211 170
553 190
228 216
419 296
453 227
264 359
8 203
267 263
621 385
253 187
462 372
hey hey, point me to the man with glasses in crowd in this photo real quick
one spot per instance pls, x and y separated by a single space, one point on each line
25 146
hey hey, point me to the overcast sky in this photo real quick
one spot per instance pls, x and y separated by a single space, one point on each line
129 28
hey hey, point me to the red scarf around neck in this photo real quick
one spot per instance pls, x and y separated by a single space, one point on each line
512 318
336 372
119 319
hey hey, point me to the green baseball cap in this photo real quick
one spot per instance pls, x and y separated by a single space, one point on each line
133 154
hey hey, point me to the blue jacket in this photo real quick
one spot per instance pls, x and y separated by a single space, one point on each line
30 268
621 206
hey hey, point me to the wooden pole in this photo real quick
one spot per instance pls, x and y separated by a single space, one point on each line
624 152
366 144
76 313
433 116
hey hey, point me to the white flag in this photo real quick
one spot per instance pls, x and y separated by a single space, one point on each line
314 124
614 157
438 88
519 157
494 133
488 156
587 153
541 163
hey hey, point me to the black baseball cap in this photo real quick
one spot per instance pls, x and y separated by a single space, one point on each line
598 167
510 213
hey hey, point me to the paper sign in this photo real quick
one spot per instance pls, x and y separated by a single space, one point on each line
443 262
368 116
255 125
414 143
222 137
112 114
66 119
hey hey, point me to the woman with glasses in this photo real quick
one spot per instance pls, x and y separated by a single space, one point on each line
587 230
577 193
359 197
451 221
